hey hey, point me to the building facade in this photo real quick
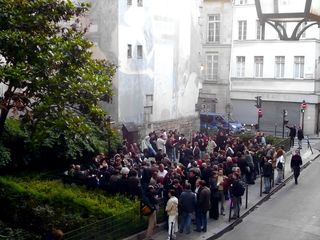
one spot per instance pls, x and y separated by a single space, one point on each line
216 39
283 73
157 50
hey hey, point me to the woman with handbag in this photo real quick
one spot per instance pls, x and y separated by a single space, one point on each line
280 161
151 201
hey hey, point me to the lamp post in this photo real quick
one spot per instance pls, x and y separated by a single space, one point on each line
277 12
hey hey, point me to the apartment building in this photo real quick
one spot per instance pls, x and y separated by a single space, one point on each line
157 49
283 73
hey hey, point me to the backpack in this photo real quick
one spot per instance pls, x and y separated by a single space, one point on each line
239 188
280 165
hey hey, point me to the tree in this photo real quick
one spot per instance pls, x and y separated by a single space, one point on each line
51 81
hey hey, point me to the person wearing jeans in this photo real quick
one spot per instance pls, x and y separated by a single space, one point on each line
280 162
187 204
267 173
300 137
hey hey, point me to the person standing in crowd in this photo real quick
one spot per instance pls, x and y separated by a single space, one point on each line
221 180
236 192
203 206
211 145
300 137
292 134
172 211
187 204
280 161
215 196
267 174
151 200
296 162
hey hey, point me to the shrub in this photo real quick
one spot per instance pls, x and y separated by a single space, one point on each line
41 205
5 156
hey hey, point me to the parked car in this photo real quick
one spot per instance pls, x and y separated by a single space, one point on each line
217 121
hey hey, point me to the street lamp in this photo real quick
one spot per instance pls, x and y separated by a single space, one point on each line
277 12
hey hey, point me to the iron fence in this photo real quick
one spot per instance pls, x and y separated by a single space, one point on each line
115 227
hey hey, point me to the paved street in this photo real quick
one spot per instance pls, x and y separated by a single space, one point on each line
293 213
217 227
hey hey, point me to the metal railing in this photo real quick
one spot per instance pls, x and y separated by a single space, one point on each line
115 227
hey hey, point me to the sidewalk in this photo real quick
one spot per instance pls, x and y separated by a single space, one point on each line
217 227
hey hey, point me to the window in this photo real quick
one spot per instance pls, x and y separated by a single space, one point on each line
139 52
148 108
139 3
298 67
258 66
214 28
212 66
242 30
279 66
241 60
242 2
129 51
259 30
129 2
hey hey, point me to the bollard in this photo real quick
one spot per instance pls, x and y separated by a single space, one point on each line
261 185
246 196
283 170
171 230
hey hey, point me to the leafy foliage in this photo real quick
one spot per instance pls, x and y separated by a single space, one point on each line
43 204
51 82
5 156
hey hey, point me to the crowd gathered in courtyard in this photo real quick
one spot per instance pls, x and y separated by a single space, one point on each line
193 177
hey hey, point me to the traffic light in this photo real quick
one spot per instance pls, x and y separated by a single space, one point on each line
258 101
303 106
285 114
260 113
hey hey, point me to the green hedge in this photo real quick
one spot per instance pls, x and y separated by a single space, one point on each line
40 205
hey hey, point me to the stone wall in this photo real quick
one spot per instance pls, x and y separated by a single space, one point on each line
184 125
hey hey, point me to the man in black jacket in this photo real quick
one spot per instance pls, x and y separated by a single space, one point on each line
292 134
267 173
300 137
187 204
296 162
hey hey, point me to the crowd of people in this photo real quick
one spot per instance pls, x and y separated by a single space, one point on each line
194 177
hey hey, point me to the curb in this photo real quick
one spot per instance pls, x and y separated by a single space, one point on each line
141 235
262 200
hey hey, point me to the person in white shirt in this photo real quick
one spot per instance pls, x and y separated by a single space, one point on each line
172 211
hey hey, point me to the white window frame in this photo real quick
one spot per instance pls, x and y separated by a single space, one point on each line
214 23
212 66
129 51
148 108
258 66
242 2
258 30
279 68
242 30
139 51
241 64
298 67
140 3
